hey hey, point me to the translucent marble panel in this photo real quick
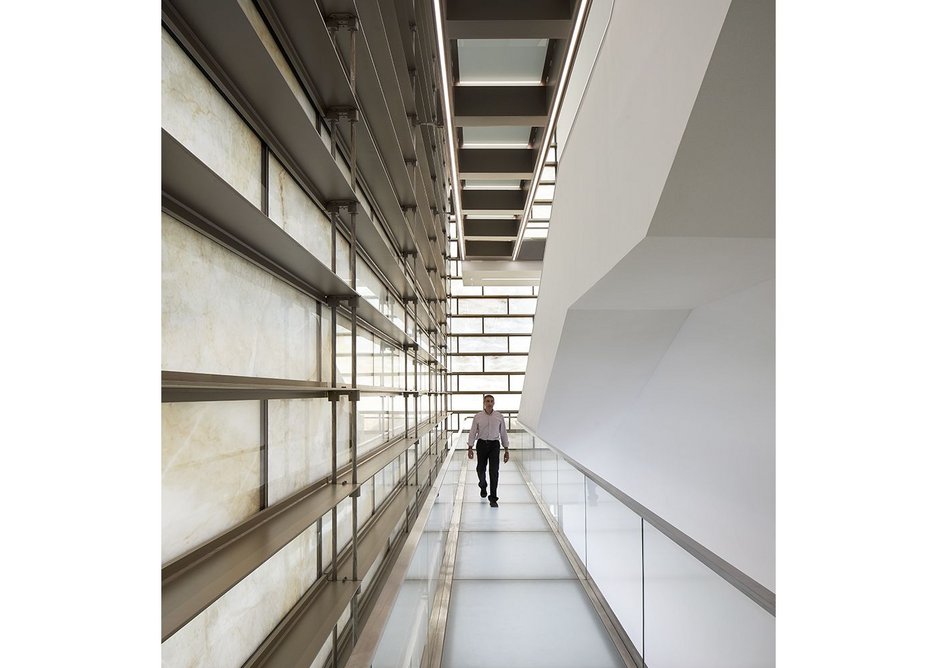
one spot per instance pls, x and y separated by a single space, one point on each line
198 116
300 439
543 624
505 363
323 658
466 326
326 540
717 625
614 558
221 314
466 402
459 288
343 424
501 290
508 402
343 350
343 258
227 632
459 363
483 344
513 517
509 325
343 522
473 306
517 383
291 209
483 384
366 502
373 423
498 555
519 344
523 306
210 471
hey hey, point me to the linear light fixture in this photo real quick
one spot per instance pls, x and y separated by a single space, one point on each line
551 121
450 129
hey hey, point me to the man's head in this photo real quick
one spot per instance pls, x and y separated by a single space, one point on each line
489 403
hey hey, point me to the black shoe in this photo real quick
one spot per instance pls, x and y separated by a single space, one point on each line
484 491
494 504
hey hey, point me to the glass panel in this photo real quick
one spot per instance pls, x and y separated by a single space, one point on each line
483 344
473 306
614 557
548 174
373 423
571 512
540 211
508 402
343 351
523 306
486 383
685 599
300 442
544 193
496 136
210 471
517 383
365 501
459 288
501 61
519 344
492 184
509 325
466 325
497 290
465 363
467 402
499 363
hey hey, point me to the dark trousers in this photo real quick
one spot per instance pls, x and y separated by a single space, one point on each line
487 452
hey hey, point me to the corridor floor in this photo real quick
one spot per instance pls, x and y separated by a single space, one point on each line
515 599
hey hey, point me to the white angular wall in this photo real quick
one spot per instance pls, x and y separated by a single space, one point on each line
652 358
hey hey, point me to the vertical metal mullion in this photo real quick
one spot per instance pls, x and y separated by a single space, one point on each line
265 178
643 648
264 455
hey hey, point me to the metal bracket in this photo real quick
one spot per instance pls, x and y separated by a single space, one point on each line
336 205
339 113
341 21
410 162
408 207
336 300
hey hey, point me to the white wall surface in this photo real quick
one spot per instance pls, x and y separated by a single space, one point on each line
652 358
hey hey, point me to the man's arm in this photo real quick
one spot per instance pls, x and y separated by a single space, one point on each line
504 440
473 433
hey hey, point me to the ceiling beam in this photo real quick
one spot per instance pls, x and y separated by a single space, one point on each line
517 19
499 105
493 202
497 163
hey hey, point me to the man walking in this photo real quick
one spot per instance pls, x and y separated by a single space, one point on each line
488 427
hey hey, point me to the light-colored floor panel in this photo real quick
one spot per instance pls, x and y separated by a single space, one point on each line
509 517
516 624
510 555
506 494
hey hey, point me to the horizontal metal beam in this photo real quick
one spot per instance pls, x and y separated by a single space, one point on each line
493 202
517 19
500 105
497 163
490 227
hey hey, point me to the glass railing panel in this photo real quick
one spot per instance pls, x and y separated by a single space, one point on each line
571 508
613 551
716 624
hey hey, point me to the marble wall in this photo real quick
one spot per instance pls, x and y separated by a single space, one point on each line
197 115
228 631
291 209
210 471
300 440
223 315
